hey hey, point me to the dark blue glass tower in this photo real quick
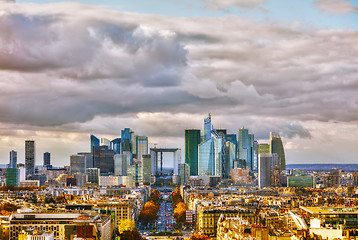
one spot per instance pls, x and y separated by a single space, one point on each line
116 145
94 142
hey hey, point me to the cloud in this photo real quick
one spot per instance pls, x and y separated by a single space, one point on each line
336 6
79 69
223 4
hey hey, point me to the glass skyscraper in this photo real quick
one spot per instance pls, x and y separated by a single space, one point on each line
246 148
211 157
141 146
94 142
47 159
192 141
13 159
116 145
277 147
207 127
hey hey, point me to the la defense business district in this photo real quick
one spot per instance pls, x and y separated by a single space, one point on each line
223 186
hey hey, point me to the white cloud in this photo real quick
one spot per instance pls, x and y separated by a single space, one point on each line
222 4
336 6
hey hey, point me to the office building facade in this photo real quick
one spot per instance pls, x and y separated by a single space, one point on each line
30 157
103 159
47 159
13 159
192 141
277 147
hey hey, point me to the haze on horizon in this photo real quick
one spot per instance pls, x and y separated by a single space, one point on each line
71 69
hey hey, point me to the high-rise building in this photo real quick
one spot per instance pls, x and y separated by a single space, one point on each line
77 164
126 135
105 142
229 158
208 127
94 142
184 172
88 158
246 148
211 157
12 177
146 168
47 159
141 146
30 157
13 159
264 170
103 159
93 175
277 147
120 165
116 145
192 141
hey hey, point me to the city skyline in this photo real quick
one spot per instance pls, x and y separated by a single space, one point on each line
162 67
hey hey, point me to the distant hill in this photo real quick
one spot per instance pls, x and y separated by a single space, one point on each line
323 167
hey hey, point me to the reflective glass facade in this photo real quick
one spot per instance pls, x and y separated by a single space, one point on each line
192 141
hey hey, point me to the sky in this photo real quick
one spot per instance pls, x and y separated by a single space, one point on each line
71 69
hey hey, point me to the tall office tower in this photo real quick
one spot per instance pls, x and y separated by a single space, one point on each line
116 145
134 171
12 177
47 159
30 157
146 167
93 175
126 135
229 158
13 159
207 127
277 147
211 157
105 142
256 156
88 158
246 147
184 173
77 164
264 170
192 141
94 142
120 165
141 146
103 159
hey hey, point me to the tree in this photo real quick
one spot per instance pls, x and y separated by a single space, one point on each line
125 225
197 236
130 235
180 212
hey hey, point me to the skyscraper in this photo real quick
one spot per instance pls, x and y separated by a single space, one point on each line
116 145
192 141
246 148
141 146
77 163
103 159
146 167
277 147
13 159
264 170
94 142
211 157
30 157
105 142
47 159
126 135
207 127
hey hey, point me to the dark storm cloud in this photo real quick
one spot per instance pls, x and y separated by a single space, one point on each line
63 64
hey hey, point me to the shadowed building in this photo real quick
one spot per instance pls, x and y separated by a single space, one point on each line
30 157
277 147
192 141
103 159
